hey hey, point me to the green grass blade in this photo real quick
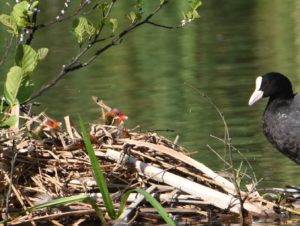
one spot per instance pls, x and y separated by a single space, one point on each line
98 174
98 211
61 201
151 200
76 198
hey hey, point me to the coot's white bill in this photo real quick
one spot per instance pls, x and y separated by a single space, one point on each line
257 94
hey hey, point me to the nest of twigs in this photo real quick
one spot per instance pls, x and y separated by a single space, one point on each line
42 161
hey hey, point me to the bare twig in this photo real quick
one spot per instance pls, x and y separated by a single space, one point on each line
11 180
102 25
241 154
60 215
218 155
165 26
72 65
117 39
33 28
227 146
151 161
61 19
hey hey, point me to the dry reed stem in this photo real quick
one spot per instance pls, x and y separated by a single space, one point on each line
53 164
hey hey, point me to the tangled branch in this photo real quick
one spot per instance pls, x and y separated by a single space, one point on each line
74 64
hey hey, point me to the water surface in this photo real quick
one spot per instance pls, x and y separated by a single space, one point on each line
151 74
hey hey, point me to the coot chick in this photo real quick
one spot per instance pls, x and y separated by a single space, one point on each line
281 118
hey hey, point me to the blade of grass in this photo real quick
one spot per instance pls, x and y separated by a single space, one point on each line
151 200
98 174
98 211
61 201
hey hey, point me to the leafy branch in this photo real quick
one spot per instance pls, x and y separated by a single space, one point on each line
62 17
102 27
74 64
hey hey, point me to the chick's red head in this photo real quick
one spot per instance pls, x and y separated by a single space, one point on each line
115 117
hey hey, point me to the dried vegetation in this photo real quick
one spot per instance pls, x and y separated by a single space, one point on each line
43 161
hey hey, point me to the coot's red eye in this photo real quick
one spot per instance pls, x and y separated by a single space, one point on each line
266 83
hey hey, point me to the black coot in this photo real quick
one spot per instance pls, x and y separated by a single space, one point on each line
281 118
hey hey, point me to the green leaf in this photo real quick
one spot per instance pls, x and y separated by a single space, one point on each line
98 174
20 13
90 30
25 90
26 58
9 22
78 29
195 14
42 53
132 16
11 121
190 16
34 5
13 84
139 3
81 28
195 4
114 24
151 200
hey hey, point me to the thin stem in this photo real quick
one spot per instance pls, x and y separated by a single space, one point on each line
11 180
75 13
72 66
227 146
117 39
102 24
33 29
166 26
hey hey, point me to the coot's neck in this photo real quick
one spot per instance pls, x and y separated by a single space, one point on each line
282 96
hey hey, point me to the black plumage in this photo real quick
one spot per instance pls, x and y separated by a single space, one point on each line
281 118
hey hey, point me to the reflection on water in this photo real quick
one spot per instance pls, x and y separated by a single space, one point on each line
151 74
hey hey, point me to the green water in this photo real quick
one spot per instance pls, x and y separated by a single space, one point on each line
149 76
